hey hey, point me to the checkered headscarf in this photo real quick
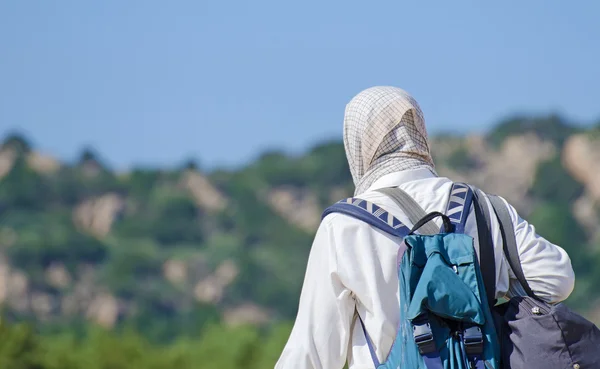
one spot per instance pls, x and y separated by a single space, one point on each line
384 132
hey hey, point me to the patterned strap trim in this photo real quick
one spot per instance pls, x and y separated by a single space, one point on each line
459 205
369 213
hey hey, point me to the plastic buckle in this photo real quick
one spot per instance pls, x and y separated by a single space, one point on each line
424 338
473 339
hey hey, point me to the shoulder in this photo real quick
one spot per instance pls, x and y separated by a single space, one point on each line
374 202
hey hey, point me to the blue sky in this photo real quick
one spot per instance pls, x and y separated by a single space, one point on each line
155 83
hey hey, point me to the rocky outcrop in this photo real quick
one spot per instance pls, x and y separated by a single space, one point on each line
90 167
585 212
509 171
39 162
42 163
81 295
42 305
103 310
297 206
7 160
339 193
246 314
96 215
204 193
4 279
17 291
15 288
211 288
85 298
175 271
88 299
477 146
581 157
58 276
442 147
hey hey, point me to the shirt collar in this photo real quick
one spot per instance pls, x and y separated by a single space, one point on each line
397 178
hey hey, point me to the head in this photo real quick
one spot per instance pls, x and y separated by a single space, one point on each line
384 132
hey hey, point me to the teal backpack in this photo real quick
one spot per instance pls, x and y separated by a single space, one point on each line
445 318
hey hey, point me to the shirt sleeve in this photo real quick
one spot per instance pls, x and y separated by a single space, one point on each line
321 332
546 266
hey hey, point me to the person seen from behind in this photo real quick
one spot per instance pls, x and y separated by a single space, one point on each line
352 267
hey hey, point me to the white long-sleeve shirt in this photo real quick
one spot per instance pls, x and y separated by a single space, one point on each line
352 267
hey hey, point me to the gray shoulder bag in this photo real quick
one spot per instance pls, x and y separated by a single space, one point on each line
534 334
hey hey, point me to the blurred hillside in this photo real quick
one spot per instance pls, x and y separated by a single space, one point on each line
169 252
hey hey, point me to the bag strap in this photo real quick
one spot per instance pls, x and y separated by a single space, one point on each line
411 208
447 226
510 242
487 260
371 214
459 205
457 209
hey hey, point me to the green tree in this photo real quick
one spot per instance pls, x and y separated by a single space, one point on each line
22 188
51 238
17 143
551 127
132 266
20 347
170 221
553 183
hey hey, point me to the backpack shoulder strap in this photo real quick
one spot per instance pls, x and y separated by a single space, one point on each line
457 208
487 259
462 196
510 243
459 205
371 214
412 209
